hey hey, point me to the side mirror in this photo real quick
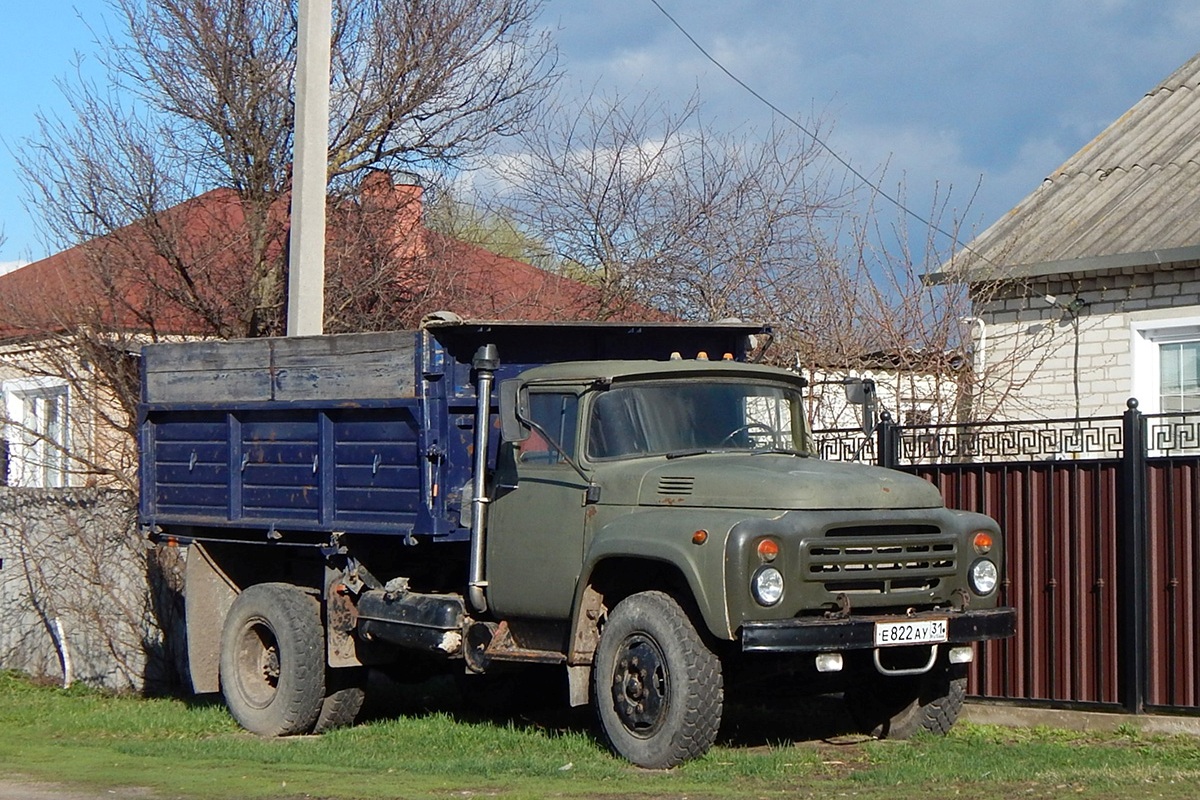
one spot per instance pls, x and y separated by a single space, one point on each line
858 390
861 392
511 411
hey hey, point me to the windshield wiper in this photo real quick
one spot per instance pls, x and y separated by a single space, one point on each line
695 451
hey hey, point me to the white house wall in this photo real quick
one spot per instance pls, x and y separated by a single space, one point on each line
1031 343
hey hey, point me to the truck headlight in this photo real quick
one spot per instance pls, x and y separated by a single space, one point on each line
767 586
984 576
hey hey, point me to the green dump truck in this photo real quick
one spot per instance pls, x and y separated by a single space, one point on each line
636 505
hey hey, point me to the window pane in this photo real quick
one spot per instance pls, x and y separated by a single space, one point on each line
1188 372
37 442
556 413
1179 376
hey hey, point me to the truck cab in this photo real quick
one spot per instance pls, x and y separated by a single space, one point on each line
690 486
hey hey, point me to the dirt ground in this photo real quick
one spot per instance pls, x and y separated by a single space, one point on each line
17 788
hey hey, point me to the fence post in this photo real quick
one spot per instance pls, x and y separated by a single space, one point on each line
887 442
1132 564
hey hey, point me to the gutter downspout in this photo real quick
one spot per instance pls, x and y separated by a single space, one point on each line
485 363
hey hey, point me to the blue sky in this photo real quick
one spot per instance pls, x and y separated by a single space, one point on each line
947 92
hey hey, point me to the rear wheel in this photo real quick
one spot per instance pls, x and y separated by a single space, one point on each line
273 660
657 686
896 707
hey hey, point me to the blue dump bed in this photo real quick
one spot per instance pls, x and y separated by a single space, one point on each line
293 439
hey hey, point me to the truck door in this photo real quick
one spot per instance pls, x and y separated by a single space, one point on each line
536 521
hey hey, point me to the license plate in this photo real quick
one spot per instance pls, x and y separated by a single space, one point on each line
915 631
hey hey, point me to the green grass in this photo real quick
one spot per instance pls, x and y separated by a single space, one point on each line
194 750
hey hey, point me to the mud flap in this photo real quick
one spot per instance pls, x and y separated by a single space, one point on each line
208 594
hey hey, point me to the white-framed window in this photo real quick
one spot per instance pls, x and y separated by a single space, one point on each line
1179 376
36 431
1166 365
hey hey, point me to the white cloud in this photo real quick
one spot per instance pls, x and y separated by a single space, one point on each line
944 90
9 266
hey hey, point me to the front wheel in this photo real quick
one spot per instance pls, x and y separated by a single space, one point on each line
898 707
657 686
273 660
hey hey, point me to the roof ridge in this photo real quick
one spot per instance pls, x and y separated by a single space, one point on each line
1142 164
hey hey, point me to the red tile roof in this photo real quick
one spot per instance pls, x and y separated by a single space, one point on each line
184 270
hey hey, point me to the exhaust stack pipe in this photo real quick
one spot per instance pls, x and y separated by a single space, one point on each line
485 363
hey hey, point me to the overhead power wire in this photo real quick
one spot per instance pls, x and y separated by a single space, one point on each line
817 139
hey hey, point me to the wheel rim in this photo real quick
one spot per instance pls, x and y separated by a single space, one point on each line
257 664
641 686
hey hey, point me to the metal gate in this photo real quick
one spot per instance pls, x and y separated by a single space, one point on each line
1102 519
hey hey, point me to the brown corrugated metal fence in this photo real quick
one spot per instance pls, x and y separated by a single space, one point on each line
1059 520
1172 505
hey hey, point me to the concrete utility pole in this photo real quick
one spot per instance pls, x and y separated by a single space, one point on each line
310 172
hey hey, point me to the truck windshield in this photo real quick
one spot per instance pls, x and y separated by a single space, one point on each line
678 418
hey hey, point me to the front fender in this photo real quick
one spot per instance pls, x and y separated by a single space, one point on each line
666 535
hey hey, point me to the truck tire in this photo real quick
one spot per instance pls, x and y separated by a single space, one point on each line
345 691
898 707
657 686
273 660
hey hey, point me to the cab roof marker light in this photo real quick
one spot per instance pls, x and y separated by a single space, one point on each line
675 356
702 355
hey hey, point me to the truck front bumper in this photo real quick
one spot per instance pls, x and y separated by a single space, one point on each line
819 635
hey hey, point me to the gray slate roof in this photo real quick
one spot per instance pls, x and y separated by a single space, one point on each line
1130 197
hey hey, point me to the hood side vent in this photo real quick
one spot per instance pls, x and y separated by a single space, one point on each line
676 485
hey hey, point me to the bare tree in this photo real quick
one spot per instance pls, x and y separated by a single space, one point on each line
661 207
199 97
877 317
901 311
170 179
658 207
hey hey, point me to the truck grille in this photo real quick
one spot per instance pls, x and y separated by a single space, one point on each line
878 564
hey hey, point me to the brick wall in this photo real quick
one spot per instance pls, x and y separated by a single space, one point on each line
1036 350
